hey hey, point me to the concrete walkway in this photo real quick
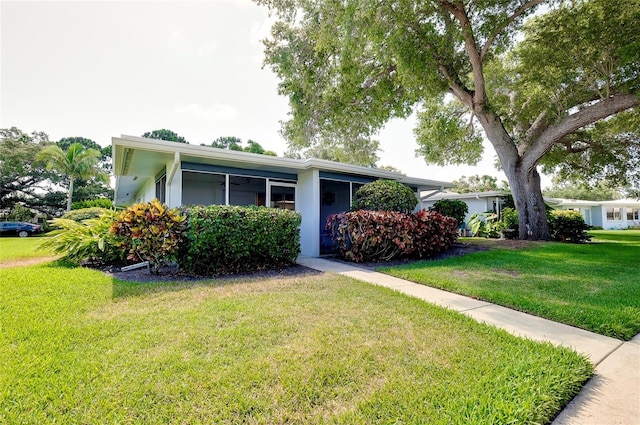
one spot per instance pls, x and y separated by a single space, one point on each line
611 397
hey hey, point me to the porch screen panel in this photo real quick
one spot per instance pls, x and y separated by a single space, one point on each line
246 191
203 188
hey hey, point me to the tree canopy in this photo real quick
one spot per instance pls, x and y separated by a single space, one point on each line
22 175
477 183
164 134
602 191
235 144
527 79
75 163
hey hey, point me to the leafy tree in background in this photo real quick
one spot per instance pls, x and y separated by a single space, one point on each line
75 163
361 152
602 191
477 183
164 134
94 188
228 142
22 174
349 67
235 144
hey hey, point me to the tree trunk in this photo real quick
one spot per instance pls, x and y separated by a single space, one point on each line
524 180
527 195
70 195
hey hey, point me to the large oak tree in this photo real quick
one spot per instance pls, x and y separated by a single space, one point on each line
530 85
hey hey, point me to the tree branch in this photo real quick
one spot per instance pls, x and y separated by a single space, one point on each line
518 12
589 115
458 11
384 73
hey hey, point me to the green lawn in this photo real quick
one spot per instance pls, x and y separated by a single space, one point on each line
12 249
594 286
79 347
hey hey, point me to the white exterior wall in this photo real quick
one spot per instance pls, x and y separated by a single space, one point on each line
623 223
147 192
174 189
308 204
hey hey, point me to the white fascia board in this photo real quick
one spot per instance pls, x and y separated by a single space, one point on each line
208 152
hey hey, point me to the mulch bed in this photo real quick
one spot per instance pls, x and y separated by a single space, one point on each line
173 274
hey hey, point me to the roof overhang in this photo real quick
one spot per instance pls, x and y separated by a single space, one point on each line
138 159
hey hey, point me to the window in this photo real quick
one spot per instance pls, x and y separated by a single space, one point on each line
614 214
633 214
161 189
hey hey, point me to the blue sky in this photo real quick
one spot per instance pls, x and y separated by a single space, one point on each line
102 69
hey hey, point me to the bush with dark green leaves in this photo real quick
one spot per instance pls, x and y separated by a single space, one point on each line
85 241
568 226
91 203
231 239
386 235
453 208
385 195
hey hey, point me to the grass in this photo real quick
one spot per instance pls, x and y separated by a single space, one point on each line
79 347
593 286
12 249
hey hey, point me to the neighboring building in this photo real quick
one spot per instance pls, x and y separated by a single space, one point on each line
617 214
181 174
477 202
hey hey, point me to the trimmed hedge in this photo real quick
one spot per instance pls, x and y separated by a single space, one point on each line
85 213
231 239
92 203
385 235
385 195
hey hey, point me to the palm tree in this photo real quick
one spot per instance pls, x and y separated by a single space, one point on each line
76 163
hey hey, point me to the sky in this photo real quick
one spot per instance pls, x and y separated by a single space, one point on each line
99 69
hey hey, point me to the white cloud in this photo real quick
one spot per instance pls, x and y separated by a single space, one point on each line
215 112
207 49
176 39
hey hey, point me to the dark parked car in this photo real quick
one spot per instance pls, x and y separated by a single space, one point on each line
18 228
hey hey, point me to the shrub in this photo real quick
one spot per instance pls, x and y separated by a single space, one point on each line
569 226
149 232
85 241
232 239
484 224
385 195
85 213
20 213
384 235
453 208
508 223
91 203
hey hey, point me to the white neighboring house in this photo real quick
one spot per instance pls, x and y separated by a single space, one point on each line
181 174
616 214
477 202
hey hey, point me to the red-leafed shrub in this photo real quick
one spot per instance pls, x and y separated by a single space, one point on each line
384 235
